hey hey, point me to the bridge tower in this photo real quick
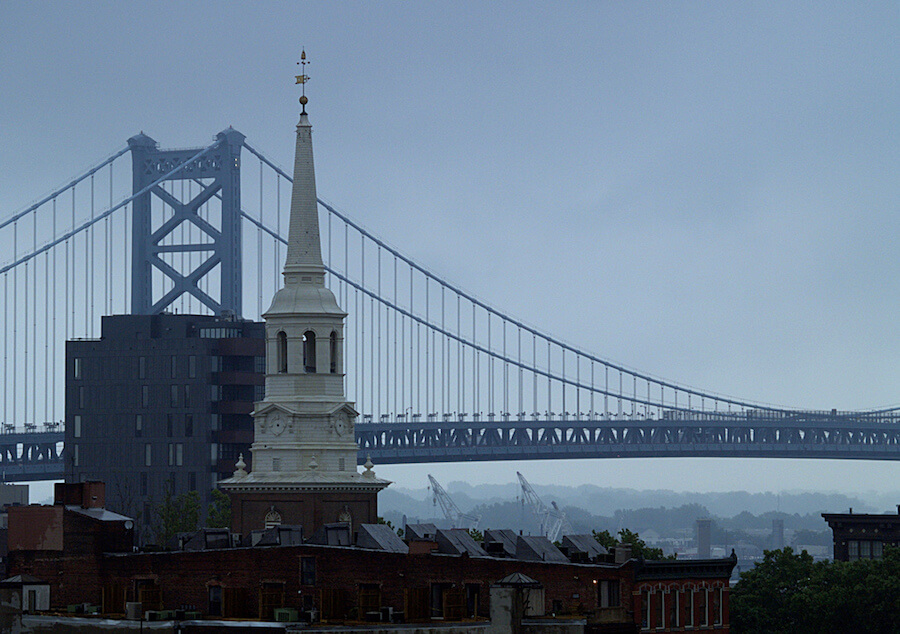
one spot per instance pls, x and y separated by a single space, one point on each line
154 248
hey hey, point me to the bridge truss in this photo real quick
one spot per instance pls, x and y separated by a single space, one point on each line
438 374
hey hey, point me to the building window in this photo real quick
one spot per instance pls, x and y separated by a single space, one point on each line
276 464
608 594
259 393
80 397
717 606
215 364
176 454
138 426
645 610
658 600
702 606
215 422
143 484
853 550
173 396
877 550
309 351
273 518
192 366
342 464
142 367
688 596
145 396
214 454
674 614
188 425
170 426
148 455
174 364
78 369
75 459
332 351
187 395
282 355
259 365
215 393
77 421
307 571
215 600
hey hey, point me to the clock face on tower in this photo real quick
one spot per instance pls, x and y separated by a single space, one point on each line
277 423
341 424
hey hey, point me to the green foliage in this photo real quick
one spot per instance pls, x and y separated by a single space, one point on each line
176 514
381 520
791 593
219 515
476 534
639 547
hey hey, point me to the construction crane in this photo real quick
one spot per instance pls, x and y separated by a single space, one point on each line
451 511
554 522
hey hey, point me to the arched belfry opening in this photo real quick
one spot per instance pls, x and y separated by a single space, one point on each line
333 351
309 351
281 355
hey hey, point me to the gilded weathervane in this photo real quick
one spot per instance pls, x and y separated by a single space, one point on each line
302 78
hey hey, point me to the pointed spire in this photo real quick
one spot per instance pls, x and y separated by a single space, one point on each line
304 251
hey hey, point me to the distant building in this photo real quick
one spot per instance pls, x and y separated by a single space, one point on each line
161 401
704 538
863 536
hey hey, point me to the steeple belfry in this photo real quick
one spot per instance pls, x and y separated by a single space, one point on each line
304 453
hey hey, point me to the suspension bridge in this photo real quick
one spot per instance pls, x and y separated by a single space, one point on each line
438 374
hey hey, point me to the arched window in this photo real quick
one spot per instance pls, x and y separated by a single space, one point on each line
333 351
273 518
309 351
282 352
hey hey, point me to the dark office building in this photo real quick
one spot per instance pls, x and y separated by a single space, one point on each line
861 535
161 401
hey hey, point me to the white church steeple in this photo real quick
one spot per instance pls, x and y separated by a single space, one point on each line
304 437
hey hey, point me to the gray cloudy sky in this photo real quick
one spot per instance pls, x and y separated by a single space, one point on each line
707 192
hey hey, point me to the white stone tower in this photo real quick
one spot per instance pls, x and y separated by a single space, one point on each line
304 451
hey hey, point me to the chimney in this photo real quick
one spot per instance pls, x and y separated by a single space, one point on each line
623 553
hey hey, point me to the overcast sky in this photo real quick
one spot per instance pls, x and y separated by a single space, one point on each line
707 192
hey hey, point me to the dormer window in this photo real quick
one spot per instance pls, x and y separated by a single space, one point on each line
309 351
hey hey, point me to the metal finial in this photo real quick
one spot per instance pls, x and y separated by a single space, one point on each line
302 78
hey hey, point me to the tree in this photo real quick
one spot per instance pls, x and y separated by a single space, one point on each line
791 593
639 547
219 515
176 514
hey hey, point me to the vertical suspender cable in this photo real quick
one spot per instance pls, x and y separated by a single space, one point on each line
15 312
89 271
397 303
521 407
380 391
259 247
53 312
362 321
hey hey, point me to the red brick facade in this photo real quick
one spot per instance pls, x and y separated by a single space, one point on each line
310 509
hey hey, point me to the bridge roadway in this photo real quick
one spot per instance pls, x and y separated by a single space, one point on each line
35 455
